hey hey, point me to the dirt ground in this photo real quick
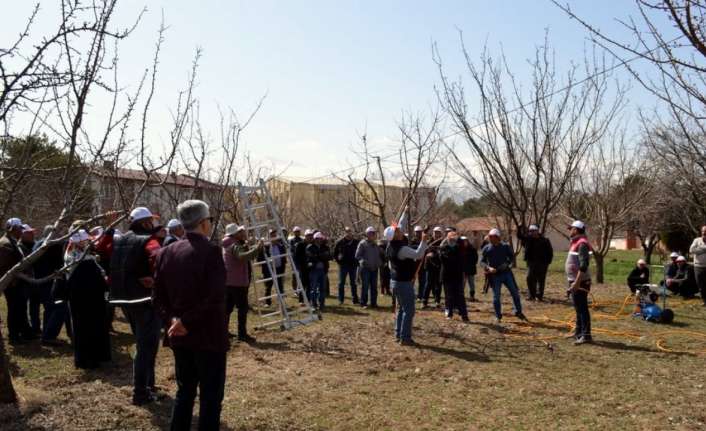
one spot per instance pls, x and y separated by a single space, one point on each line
346 372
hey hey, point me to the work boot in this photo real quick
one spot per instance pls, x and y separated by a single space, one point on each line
246 339
521 316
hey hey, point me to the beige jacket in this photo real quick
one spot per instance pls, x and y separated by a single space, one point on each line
698 249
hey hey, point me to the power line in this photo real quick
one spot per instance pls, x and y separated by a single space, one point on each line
513 110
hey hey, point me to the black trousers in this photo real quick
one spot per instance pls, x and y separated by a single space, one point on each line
237 297
206 371
455 299
583 316
700 275
269 284
536 280
17 321
433 285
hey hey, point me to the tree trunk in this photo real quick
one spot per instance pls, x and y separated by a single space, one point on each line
7 390
600 260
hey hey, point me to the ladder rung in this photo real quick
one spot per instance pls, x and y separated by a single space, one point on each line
284 274
274 322
274 313
257 206
269 297
263 224
269 257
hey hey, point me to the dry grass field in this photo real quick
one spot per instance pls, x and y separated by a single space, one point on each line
346 372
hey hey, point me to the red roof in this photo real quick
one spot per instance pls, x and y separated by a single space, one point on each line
173 179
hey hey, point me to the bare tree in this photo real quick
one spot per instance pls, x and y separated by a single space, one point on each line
607 191
522 158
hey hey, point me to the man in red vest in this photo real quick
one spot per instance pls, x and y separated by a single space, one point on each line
579 277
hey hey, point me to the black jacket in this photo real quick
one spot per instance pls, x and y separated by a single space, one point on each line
10 255
344 251
128 264
470 258
538 251
452 264
317 254
638 276
401 269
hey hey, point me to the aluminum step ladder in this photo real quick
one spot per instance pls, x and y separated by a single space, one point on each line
262 216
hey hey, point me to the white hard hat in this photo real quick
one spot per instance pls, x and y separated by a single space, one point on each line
370 229
674 255
418 229
140 213
578 224
27 228
173 223
13 222
308 232
389 233
438 229
681 259
296 229
79 236
641 262
533 227
494 232
319 235
233 228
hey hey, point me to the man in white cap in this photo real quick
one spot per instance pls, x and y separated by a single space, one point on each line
577 273
294 241
344 253
301 261
237 256
368 256
132 266
175 232
422 276
403 267
317 257
684 282
432 269
698 250
18 327
639 275
671 269
497 258
538 255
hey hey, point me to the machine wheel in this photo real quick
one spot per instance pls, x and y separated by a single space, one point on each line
667 316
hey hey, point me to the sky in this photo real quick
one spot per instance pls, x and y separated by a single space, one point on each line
330 70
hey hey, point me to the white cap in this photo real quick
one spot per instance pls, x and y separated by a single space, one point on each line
13 222
641 262
578 224
533 227
681 259
674 255
80 236
140 213
389 233
438 229
173 223
308 232
27 228
370 229
296 229
418 229
233 228
494 232
319 235
463 237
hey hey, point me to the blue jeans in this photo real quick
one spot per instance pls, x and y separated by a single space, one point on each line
317 287
147 327
56 315
471 279
369 277
350 272
207 372
404 292
508 280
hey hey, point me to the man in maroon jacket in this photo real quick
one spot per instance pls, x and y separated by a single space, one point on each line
190 296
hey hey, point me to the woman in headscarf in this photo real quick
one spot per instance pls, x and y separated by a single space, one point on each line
86 289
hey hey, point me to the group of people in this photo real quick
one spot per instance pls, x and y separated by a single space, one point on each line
173 284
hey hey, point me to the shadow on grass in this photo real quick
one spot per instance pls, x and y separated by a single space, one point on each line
342 311
265 345
459 354
616 345
12 418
